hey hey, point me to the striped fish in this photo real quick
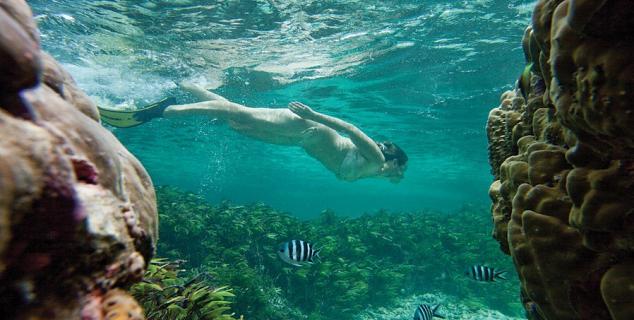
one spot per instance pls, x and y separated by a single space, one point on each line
425 312
298 252
484 273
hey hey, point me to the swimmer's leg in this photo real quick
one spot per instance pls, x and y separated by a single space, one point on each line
200 92
214 109
212 105
276 126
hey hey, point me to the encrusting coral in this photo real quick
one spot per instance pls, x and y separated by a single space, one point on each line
77 211
563 203
119 305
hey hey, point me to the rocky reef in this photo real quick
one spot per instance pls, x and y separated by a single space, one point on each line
562 150
78 212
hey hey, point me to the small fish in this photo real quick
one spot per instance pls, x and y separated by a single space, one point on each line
483 273
524 81
425 312
298 252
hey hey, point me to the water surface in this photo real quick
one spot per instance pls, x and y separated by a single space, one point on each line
423 74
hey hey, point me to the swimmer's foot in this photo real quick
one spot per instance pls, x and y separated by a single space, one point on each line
200 92
131 118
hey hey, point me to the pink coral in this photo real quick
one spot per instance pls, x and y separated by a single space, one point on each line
64 180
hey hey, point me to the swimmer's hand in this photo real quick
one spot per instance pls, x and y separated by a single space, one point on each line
302 110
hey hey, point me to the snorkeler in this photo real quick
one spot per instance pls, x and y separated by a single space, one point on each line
349 157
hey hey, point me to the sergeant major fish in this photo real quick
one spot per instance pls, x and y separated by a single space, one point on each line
425 312
484 273
298 252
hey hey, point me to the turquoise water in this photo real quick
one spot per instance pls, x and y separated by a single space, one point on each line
423 74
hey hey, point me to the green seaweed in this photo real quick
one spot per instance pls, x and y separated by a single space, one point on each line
368 261
165 295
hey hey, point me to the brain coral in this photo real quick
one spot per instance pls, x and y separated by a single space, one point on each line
77 210
563 199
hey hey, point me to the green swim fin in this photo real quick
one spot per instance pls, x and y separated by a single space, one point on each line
128 118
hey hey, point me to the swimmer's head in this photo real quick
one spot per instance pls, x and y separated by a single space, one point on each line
393 152
395 160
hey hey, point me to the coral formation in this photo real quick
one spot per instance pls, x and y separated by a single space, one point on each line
372 260
562 199
77 210
119 305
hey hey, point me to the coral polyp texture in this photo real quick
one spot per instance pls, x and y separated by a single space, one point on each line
562 150
77 211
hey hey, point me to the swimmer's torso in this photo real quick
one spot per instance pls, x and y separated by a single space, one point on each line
281 126
341 156
355 166
276 126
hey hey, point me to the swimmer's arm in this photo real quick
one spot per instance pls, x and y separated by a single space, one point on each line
367 147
